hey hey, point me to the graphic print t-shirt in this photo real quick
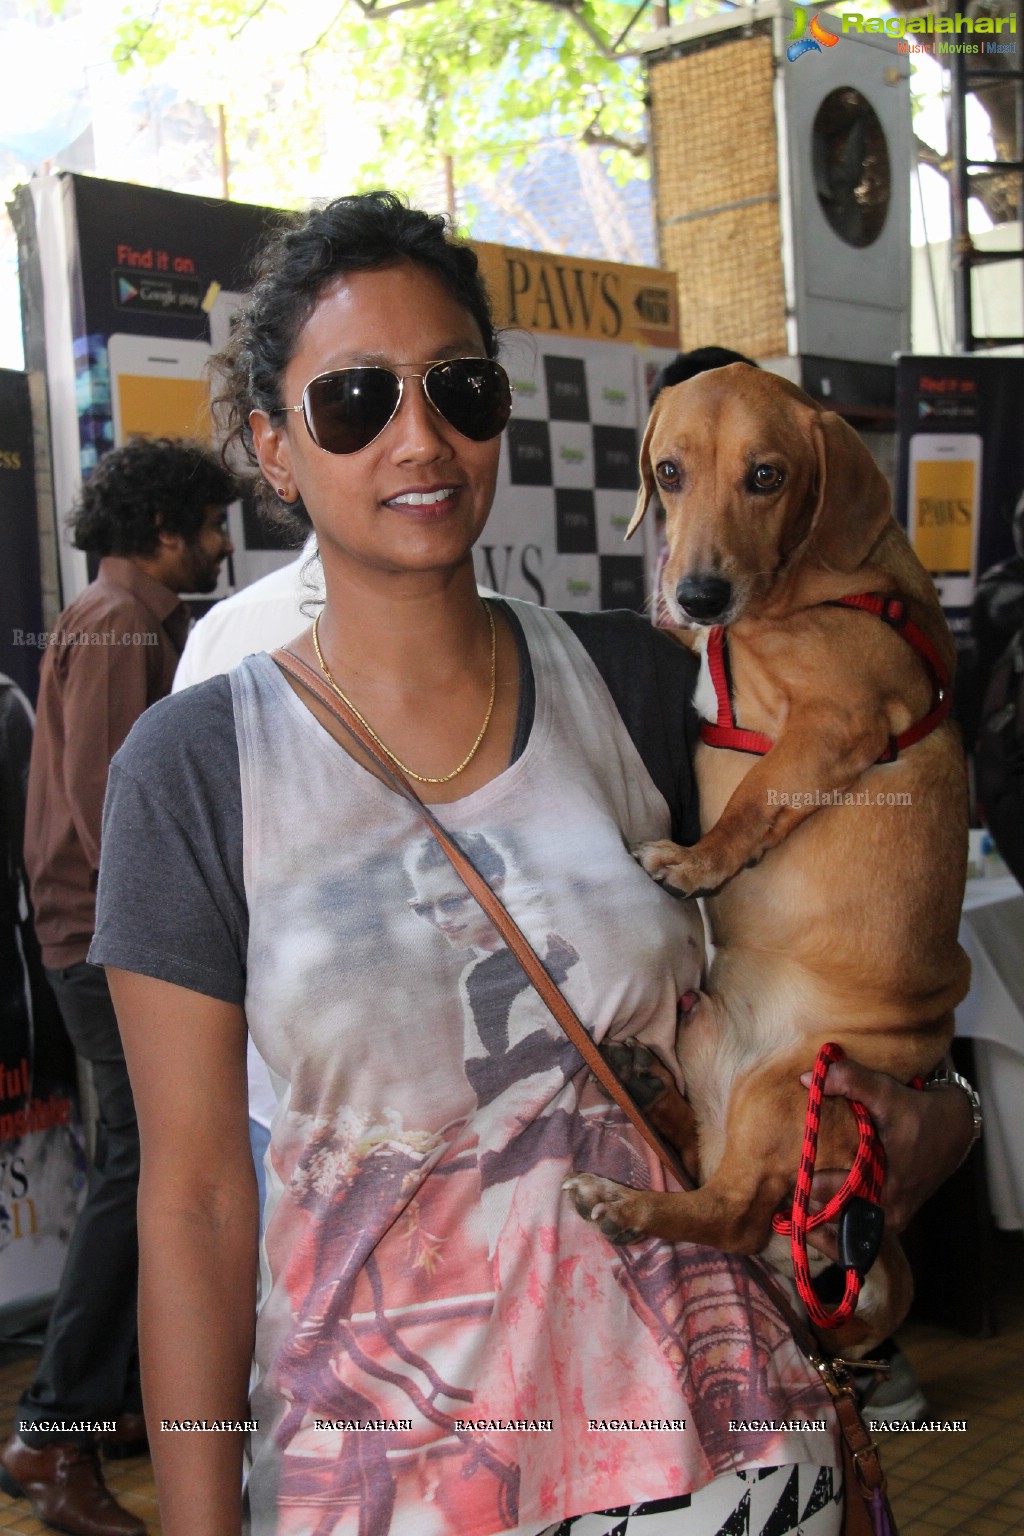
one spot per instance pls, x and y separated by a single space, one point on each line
444 1346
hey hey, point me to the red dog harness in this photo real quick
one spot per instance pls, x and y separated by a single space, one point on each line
892 611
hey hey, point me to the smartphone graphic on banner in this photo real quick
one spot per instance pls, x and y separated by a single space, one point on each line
944 511
158 388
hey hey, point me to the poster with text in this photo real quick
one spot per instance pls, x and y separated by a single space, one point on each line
154 278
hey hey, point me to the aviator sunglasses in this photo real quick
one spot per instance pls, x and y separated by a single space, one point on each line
344 410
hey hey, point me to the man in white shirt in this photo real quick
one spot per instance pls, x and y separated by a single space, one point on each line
260 617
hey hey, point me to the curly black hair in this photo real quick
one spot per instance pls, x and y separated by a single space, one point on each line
360 233
152 485
687 365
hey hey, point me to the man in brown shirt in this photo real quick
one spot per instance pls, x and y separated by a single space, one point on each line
155 512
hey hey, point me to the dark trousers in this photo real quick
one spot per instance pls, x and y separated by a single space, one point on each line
89 1364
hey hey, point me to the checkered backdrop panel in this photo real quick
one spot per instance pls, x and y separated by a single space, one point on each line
568 477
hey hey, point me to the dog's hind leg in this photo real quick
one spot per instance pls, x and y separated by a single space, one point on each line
653 1090
733 1210
707 1216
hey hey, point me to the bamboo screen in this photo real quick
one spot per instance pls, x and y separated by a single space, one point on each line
717 189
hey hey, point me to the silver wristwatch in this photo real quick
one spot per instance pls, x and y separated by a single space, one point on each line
944 1077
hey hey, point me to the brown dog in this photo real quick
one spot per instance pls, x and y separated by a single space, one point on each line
847 928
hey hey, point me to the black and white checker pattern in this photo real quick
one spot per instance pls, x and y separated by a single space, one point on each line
568 477
793 1500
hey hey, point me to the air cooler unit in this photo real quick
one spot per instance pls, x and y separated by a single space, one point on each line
781 149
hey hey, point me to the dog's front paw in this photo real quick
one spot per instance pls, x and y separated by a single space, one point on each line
605 1203
658 856
678 869
663 860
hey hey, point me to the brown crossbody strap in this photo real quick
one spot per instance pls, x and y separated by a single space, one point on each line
308 678
870 1476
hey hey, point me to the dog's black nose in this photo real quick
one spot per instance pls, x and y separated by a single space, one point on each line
703 597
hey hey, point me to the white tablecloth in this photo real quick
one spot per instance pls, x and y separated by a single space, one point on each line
992 1016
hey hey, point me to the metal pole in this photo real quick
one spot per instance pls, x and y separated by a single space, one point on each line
222 151
959 191
449 188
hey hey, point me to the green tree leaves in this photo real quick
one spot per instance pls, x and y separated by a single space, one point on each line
389 90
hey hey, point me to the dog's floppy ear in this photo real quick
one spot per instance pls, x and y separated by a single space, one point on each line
646 490
853 496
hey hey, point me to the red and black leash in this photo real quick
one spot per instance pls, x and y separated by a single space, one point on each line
856 1205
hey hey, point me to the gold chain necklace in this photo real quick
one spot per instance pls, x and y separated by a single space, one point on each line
421 778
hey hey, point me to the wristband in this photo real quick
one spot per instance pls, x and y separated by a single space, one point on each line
945 1077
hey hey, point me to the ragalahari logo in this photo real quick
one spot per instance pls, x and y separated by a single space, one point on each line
799 44
983 33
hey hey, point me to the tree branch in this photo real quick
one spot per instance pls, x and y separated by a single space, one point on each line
126 54
373 10
251 17
304 55
617 45
608 50
592 134
595 136
926 155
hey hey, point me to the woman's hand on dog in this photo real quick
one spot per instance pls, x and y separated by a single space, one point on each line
926 1136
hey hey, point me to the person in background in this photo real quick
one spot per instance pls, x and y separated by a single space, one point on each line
997 613
267 613
154 512
33 1040
262 616
687 365
994 700
15 746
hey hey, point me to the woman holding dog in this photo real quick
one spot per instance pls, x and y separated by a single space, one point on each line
427 1360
